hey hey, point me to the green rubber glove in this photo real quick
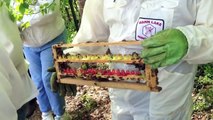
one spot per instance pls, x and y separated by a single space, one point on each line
62 89
165 48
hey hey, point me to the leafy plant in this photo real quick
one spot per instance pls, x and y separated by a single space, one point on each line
85 107
203 88
88 102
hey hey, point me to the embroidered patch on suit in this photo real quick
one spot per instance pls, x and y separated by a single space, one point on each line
146 27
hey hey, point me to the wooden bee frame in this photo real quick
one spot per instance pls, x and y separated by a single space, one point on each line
149 77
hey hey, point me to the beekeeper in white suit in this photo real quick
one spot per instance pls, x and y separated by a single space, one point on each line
16 88
185 40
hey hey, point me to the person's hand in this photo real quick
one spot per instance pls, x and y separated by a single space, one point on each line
62 89
165 48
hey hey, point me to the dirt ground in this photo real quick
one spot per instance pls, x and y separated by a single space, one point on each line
93 103
90 103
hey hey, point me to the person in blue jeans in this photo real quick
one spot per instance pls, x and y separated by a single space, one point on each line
40 59
44 31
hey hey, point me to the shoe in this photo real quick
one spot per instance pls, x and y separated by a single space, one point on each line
47 116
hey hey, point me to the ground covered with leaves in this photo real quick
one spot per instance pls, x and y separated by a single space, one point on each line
90 103
93 103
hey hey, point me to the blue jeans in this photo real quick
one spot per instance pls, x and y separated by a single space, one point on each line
40 59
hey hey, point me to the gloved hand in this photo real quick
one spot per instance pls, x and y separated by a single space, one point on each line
165 48
63 89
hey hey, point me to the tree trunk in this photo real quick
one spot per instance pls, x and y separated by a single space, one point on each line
81 5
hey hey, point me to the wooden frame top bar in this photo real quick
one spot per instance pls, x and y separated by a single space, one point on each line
123 43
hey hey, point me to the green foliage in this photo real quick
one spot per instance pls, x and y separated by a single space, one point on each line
85 107
22 7
66 13
45 8
71 31
1 3
203 88
19 10
7 2
24 25
88 102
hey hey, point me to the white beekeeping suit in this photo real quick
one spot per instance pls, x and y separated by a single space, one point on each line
116 20
16 86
